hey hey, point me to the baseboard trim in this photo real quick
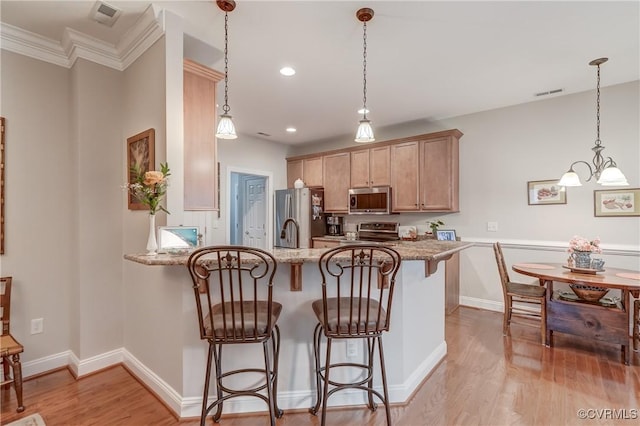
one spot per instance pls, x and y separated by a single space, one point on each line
189 407
487 305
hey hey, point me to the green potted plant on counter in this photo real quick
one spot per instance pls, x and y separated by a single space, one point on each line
433 226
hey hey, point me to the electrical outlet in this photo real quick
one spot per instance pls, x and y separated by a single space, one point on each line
492 226
37 326
352 348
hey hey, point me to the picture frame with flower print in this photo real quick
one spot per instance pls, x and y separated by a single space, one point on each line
543 192
616 202
141 153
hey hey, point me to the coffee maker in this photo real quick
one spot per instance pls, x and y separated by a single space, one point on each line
334 225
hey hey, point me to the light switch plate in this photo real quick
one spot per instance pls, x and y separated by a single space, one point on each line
492 226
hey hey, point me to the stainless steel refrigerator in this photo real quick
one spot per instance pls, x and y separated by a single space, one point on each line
305 209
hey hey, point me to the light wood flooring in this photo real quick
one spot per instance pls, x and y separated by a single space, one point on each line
486 379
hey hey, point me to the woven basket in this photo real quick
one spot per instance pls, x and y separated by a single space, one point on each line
589 293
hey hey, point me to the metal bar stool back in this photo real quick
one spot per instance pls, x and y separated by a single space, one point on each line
233 288
357 293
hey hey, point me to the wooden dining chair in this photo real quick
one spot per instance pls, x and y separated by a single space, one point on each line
233 288
526 301
10 349
357 291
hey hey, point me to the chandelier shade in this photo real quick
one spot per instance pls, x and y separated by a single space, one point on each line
364 133
605 170
226 129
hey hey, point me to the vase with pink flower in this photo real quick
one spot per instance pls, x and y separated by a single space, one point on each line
150 188
581 249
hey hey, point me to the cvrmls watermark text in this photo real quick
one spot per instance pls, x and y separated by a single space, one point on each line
609 413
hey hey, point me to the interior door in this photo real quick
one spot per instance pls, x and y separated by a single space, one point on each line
253 218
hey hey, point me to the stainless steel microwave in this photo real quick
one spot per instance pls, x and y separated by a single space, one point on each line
376 200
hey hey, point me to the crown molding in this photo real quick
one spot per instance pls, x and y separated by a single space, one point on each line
144 33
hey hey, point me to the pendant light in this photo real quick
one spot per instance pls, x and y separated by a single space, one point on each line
365 131
606 171
226 129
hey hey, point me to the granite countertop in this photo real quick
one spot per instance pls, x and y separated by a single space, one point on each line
409 250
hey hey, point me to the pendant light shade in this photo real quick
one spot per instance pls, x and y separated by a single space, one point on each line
606 170
612 176
226 129
364 133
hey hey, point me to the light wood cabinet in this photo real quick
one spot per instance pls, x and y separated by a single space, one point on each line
425 175
405 176
336 182
452 283
439 175
312 171
294 171
320 243
200 149
371 167
308 169
422 171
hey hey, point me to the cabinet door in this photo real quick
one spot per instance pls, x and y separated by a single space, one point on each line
312 171
439 175
324 244
360 169
294 171
199 109
380 166
404 176
336 181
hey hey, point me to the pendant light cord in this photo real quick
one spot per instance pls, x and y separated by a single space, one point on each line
364 70
598 109
226 108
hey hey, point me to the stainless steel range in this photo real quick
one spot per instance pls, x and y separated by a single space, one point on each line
380 232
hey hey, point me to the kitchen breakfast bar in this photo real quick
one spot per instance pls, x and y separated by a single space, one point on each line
175 370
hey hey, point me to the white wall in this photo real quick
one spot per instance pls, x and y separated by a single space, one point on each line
40 233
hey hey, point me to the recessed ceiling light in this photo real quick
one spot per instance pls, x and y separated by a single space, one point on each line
291 129
363 110
287 71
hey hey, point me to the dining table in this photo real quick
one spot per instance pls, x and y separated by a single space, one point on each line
605 320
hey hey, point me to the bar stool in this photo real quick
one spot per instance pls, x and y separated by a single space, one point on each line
233 287
357 291
636 324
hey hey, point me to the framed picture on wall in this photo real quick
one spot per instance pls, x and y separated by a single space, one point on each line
543 192
616 202
140 153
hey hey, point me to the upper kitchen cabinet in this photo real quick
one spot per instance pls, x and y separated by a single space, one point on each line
439 172
312 171
405 176
200 153
336 182
371 167
424 173
294 172
307 169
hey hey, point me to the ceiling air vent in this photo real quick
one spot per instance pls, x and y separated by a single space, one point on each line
549 92
105 13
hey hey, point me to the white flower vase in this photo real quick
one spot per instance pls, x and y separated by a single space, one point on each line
152 244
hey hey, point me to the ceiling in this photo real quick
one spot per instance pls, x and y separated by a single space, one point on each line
426 60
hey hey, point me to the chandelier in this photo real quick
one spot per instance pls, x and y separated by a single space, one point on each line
226 129
364 132
606 171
